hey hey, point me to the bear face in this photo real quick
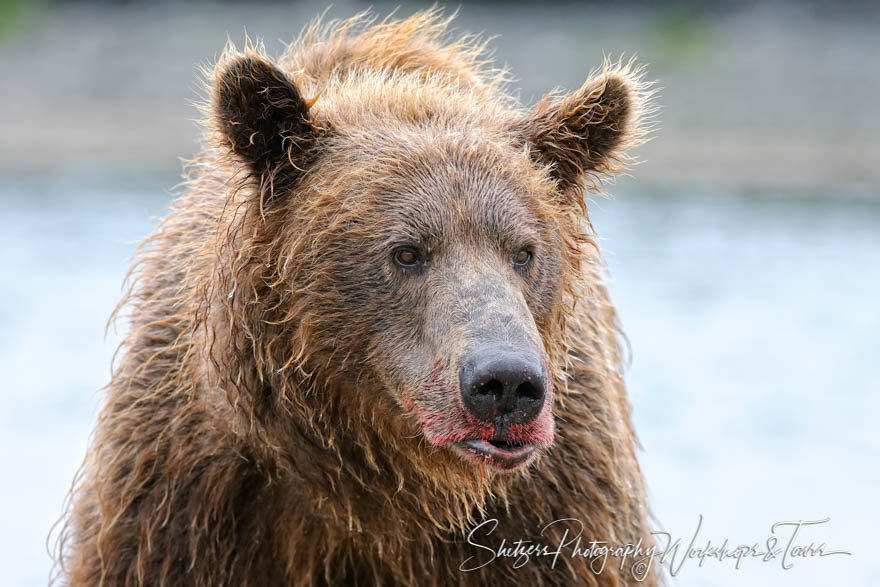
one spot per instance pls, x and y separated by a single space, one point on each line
431 240
454 267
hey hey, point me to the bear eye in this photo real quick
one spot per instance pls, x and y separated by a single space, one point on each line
521 258
407 257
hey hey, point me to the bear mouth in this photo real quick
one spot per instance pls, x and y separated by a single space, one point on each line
504 455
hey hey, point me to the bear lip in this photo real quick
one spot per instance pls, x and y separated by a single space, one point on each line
503 455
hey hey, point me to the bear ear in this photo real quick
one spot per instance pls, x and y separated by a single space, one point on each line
263 117
589 131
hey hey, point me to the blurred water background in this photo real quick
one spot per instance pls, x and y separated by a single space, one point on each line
744 252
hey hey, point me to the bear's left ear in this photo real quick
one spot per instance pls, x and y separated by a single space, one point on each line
589 131
263 118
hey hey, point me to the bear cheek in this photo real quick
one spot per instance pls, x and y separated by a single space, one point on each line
437 407
406 373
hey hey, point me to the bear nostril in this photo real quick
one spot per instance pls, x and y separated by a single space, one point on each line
494 388
529 391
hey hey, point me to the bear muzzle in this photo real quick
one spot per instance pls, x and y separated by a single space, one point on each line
505 389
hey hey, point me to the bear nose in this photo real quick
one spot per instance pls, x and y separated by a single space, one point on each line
500 382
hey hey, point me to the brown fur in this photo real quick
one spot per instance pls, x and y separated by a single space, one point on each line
277 411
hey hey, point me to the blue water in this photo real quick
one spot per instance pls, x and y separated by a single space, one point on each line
754 324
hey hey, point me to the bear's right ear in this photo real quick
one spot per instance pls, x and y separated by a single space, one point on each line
264 118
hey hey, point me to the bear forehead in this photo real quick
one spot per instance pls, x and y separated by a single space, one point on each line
434 178
447 160
429 155
465 200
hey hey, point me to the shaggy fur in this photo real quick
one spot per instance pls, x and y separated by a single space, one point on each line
282 407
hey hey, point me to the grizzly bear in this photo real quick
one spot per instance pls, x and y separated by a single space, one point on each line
371 343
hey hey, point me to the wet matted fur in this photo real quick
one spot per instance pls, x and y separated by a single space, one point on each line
283 406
